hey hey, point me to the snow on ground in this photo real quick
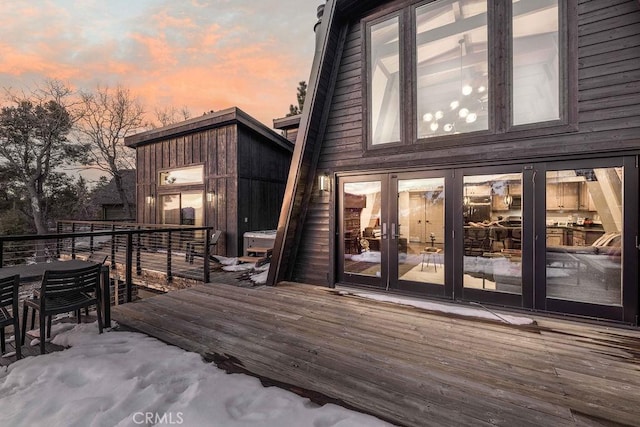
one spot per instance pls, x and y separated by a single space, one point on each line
483 313
130 379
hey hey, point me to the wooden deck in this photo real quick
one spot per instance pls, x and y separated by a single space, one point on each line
406 365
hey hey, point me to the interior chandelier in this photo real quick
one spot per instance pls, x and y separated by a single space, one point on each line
461 111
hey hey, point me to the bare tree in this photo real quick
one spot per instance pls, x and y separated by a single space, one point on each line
33 141
170 115
107 116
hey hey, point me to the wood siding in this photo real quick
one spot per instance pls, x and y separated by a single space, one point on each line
244 169
608 122
263 168
216 148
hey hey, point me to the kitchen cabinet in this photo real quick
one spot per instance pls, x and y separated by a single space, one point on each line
515 191
585 237
555 236
585 199
563 196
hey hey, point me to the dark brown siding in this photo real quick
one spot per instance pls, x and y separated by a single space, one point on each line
262 175
608 121
313 255
301 178
214 147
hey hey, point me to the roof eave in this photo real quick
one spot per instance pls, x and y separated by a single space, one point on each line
207 121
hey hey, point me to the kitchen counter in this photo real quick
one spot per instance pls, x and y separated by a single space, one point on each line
573 235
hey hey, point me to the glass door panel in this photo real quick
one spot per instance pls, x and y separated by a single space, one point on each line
492 235
170 211
584 229
362 230
420 236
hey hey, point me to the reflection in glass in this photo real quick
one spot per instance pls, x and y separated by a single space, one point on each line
361 228
384 86
452 67
536 69
492 212
421 240
584 235
182 209
190 175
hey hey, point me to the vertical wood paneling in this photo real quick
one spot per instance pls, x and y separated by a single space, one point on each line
219 148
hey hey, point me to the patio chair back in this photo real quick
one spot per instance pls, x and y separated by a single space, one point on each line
64 291
70 282
9 298
9 291
215 236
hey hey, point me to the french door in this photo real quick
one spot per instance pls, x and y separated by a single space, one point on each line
393 232
556 236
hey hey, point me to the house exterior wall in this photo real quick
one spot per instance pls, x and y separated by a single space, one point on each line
216 150
606 122
262 176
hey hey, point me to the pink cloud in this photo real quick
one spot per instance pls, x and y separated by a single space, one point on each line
197 54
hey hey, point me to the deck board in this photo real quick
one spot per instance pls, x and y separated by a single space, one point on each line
406 365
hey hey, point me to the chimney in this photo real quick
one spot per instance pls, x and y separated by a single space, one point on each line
316 28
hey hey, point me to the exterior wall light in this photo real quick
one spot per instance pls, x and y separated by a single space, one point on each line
324 183
210 196
150 200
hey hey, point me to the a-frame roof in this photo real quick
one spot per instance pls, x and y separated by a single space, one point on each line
307 148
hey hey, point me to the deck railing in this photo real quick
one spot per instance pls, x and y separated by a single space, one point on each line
153 254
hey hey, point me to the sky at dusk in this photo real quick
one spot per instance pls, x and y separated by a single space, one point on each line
202 54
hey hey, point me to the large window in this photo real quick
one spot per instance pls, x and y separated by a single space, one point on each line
384 84
455 67
536 69
451 67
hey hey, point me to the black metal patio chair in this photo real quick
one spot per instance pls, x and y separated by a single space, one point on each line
9 298
95 258
62 292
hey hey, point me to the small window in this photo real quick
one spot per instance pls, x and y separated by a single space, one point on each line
384 81
536 69
182 176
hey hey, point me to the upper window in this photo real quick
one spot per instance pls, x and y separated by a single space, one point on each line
182 176
384 81
536 65
452 67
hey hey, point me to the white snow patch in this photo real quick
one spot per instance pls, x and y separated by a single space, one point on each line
446 308
117 378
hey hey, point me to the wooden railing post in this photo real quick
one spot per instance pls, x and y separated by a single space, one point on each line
169 244
129 267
